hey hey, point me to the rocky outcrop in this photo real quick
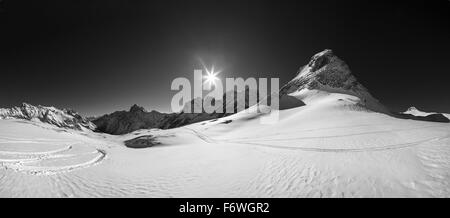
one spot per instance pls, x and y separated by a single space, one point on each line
142 142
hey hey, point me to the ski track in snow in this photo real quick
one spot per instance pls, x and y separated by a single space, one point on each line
254 142
29 162
337 136
337 150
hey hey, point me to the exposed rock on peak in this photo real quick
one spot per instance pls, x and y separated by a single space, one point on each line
326 73
321 59
64 118
135 109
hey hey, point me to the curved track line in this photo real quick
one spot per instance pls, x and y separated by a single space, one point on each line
346 135
54 170
19 160
37 153
333 150
318 129
203 137
345 150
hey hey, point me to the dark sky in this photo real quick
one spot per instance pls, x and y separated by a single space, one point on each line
100 56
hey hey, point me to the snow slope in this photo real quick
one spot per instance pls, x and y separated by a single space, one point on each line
321 150
334 146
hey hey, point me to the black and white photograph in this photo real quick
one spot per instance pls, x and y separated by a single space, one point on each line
229 99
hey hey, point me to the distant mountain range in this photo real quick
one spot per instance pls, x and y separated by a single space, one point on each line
325 73
63 118
122 122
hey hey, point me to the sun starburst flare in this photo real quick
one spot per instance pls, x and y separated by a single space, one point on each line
211 76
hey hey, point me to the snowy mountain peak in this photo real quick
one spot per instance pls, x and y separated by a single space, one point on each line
416 112
325 71
325 74
64 118
412 109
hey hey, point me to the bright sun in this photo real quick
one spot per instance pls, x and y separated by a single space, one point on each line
211 76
